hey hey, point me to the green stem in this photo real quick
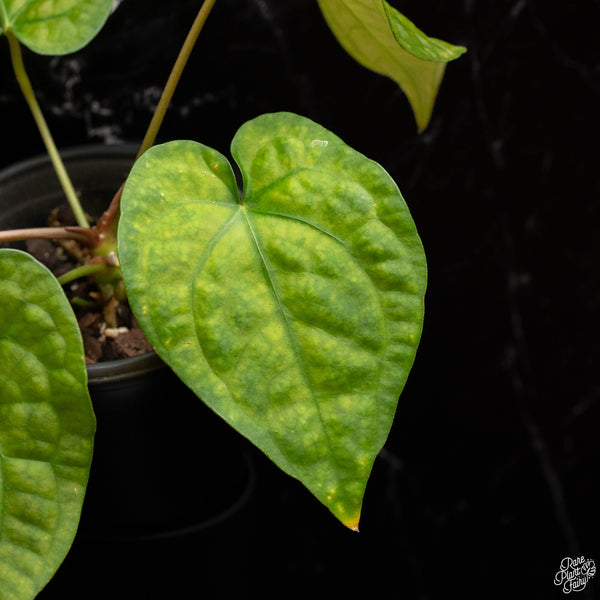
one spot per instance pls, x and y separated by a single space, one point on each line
175 75
27 89
82 271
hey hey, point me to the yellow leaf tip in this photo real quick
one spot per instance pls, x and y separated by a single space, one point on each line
352 524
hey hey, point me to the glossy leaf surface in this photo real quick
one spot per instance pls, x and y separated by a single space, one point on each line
385 41
46 426
295 312
54 26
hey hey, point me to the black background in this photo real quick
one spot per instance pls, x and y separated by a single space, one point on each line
488 479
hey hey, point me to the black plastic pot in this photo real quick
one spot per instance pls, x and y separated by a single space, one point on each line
167 508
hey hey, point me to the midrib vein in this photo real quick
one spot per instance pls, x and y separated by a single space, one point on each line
292 337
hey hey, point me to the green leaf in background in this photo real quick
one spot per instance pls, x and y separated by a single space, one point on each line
46 426
380 38
54 26
295 312
414 41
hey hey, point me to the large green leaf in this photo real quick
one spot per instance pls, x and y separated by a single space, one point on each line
54 26
295 312
385 41
46 426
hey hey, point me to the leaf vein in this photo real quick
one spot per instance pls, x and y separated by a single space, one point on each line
290 333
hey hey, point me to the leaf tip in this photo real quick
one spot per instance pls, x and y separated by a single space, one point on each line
352 523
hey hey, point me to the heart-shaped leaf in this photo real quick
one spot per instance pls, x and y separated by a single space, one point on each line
295 312
54 26
46 426
385 41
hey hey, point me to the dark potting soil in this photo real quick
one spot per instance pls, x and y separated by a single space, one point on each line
109 329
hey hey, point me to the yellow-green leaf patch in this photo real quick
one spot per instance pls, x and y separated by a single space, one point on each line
294 311
382 39
54 26
46 426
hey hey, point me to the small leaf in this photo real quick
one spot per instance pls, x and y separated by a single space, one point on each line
54 26
380 38
295 312
46 426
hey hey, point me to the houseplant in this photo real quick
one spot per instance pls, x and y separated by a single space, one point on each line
299 322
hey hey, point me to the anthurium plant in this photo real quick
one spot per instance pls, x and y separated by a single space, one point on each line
293 308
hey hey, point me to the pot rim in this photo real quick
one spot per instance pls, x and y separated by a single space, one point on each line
82 151
113 370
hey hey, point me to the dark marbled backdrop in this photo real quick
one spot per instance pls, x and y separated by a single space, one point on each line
489 478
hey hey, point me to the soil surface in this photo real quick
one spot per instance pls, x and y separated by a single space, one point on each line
108 327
